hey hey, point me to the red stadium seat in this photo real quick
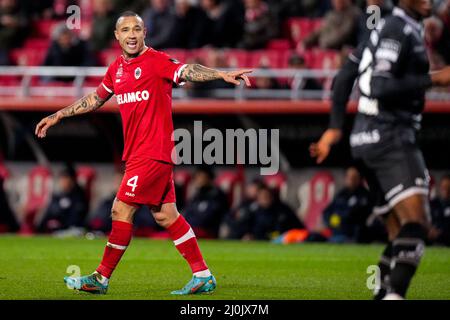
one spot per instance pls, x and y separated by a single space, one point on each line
236 58
298 29
44 28
85 178
279 44
278 183
6 81
231 182
264 58
198 54
325 59
4 172
178 54
38 195
316 24
314 196
27 57
36 43
108 56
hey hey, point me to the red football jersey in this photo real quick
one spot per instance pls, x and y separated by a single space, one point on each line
143 88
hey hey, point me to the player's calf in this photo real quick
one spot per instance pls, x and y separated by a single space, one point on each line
407 251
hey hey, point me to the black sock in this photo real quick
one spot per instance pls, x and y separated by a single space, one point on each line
385 271
408 249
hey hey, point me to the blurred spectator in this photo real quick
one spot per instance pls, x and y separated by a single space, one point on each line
225 22
101 221
8 222
191 24
438 43
160 21
59 9
127 5
214 59
42 9
346 215
271 216
443 12
13 24
67 49
297 61
440 214
237 223
260 25
364 30
339 27
68 206
103 24
208 206
267 82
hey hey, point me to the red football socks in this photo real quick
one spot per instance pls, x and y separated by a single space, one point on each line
186 243
118 241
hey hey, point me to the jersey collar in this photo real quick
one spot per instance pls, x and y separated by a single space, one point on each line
138 58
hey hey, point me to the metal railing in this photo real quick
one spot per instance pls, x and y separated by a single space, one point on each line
78 86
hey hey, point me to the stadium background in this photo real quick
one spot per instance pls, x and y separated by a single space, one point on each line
271 37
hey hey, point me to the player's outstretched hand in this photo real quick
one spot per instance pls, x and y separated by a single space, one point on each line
234 77
441 77
321 149
44 124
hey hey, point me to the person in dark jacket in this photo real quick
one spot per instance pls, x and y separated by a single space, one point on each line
66 50
225 22
160 21
68 207
271 216
206 209
237 222
347 213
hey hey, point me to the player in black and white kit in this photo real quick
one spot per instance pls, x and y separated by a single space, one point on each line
393 76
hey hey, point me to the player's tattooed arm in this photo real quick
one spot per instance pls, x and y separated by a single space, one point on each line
88 103
199 73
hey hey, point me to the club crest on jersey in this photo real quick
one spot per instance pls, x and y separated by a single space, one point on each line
137 73
119 71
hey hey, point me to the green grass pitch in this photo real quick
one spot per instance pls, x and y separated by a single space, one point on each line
33 268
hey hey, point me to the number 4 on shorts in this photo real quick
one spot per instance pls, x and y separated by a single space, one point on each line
132 182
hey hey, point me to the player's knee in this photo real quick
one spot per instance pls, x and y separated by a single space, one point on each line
117 214
163 219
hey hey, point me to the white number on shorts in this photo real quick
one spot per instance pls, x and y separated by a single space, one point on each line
132 182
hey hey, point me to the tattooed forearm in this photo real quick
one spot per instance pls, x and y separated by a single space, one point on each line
199 73
88 103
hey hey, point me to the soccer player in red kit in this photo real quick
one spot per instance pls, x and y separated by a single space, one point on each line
141 78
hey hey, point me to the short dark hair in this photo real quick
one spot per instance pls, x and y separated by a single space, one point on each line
128 14
68 171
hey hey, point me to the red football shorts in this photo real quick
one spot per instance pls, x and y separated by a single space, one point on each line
147 182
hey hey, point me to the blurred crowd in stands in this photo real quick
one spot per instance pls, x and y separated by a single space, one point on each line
214 210
293 26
